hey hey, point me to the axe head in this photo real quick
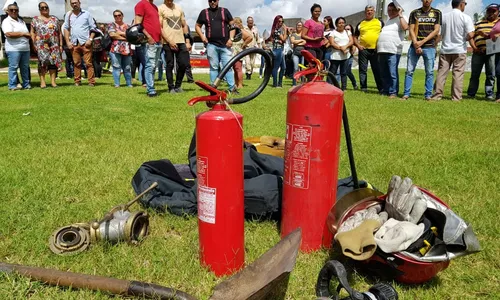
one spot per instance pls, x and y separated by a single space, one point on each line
267 277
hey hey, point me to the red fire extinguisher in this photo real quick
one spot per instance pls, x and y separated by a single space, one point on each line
313 126
219 167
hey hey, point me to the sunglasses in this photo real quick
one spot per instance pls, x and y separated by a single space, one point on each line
44 8
14 10
213 0
117 16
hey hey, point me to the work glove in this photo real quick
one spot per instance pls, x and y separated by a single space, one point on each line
404 202
396 236
355 235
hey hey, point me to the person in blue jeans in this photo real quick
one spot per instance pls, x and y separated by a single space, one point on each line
389 48
298 45
17 47
425 23
121 55
279 34
218 39
146 13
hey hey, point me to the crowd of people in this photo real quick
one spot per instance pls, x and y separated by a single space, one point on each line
168 42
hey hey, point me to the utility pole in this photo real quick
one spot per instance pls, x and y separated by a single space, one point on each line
380 9
67 6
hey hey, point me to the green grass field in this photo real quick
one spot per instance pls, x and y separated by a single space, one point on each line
73 157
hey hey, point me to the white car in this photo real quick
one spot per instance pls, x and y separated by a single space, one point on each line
198 49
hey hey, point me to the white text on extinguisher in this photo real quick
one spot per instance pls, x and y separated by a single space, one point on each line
297 159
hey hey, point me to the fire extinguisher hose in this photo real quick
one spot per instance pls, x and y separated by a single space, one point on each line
267 72
347 132
97 283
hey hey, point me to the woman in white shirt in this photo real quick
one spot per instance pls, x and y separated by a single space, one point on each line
389 48
17 47
341 41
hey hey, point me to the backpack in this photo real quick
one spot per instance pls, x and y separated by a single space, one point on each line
106 42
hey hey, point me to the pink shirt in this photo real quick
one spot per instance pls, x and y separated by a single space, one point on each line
495 30
314 30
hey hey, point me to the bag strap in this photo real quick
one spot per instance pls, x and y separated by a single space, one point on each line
69 19
209 29
223 15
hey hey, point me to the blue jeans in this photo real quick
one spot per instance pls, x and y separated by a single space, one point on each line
349 72
121 62
162 64
152 56
389 74
429 55
296 61
140 52
278 63
262 63
342 65
219 57
21 60
477 62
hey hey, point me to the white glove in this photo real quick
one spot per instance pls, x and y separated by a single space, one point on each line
404 202
355 220
396 236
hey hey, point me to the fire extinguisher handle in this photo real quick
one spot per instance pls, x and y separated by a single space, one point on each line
215 94
315 65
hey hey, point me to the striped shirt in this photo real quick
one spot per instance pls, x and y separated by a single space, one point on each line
425 21
484 26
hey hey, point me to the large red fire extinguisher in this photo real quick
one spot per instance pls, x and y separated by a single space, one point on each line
313 126
219 167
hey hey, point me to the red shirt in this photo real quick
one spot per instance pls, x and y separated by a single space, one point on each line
150 19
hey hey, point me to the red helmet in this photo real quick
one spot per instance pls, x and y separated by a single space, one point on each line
399 266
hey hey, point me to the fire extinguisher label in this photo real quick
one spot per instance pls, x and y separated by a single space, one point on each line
202 170
207 197
297 159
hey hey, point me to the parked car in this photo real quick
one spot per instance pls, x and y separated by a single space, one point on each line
198 49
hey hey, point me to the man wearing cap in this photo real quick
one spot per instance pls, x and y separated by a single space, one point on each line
425 23
479 56
217 38
456 30
146 13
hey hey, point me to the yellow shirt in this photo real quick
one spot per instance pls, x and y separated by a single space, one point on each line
368 32
171 22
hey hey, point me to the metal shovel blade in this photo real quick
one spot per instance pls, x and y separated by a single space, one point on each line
267 277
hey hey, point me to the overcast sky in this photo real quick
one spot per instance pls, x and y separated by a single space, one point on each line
263 11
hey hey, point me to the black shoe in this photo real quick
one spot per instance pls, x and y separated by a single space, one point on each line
155 94
234 91
178 90
190 81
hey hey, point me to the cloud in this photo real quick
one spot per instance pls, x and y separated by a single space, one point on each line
263 11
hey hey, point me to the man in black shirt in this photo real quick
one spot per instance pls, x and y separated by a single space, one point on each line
217 38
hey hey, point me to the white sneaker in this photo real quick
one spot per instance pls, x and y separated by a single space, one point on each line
260 76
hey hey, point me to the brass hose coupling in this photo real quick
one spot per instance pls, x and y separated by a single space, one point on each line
117 225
